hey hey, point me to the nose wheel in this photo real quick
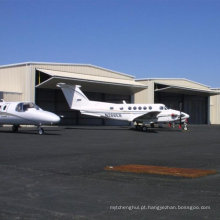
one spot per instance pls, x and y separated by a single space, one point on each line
40 130
185 126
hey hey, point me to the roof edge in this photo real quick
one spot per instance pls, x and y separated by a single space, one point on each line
188 80
65 64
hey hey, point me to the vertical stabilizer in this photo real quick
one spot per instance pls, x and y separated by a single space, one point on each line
75 97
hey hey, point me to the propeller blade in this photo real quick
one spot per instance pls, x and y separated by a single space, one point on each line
180 122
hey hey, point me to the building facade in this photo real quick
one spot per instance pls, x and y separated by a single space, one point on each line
36 82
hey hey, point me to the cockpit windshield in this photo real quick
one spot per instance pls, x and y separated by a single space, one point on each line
24 106
163 107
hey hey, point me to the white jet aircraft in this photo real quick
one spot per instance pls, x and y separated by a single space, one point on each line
141 114
25 113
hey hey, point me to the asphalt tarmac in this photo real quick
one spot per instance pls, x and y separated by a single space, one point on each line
60 175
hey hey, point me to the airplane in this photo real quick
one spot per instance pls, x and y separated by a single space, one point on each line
139 114
25 113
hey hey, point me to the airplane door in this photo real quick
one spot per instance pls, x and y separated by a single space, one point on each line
3 110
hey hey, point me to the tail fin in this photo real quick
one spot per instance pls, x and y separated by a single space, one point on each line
74 96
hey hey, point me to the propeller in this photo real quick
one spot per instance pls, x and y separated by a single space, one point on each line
180 107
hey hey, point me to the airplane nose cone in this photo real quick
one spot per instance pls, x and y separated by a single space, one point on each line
52 118
187 116
55 118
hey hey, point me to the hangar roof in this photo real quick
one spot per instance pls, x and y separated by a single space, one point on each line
37 64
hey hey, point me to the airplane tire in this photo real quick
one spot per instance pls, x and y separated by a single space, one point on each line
144 128
40 131
152 125
15 128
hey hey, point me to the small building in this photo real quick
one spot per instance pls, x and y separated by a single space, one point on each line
36 82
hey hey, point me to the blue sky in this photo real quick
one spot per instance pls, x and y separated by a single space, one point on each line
144 38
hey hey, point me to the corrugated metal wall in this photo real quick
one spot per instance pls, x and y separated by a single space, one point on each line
12 97
17 83
13 79
215 109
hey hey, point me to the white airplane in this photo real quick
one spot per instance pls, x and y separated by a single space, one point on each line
141 114
25 113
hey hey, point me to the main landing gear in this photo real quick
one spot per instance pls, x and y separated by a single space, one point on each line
15 128
141 127
171 125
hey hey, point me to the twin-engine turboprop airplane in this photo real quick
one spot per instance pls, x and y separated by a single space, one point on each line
25 113
141 114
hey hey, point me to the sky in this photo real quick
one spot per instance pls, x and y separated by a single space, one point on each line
143 38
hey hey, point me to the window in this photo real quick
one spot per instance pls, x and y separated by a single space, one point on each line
19 107
134 107
129 108
145 108
139 107
22 107
111 108
121 108
161 107
4 107
150 107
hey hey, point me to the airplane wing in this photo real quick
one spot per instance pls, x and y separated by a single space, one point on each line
147 116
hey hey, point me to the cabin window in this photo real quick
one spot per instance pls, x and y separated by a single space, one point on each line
111 108
161 107
145 108
4 107
129 108
150 107
139 107
22 107
121 108
134 107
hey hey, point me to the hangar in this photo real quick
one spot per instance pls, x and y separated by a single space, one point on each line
36 82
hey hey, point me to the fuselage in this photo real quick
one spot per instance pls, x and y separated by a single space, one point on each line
25 113
129 112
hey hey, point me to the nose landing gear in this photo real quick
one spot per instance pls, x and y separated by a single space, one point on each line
185 126
40 130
